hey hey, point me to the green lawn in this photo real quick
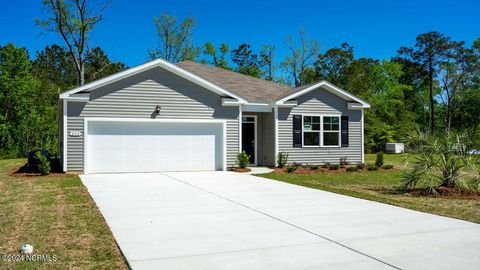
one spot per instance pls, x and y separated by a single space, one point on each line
382 186
396 160
58 217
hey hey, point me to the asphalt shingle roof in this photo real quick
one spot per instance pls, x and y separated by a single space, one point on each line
251 88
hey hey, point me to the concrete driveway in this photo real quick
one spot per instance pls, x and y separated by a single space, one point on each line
226 220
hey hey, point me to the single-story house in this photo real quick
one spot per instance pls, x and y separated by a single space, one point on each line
161 116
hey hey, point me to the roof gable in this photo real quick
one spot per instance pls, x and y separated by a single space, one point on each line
147 66
301 90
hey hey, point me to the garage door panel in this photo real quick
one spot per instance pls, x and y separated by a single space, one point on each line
149 147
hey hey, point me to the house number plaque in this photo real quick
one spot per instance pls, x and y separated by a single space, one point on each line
75 133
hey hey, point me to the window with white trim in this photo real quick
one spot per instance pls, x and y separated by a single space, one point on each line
311 130
331 131
321 130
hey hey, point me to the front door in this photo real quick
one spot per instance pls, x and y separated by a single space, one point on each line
248 137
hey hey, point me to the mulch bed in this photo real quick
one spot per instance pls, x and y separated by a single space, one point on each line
452 193
24 171
307 170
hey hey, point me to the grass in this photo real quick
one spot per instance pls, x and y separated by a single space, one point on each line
382 186
396 160
57 216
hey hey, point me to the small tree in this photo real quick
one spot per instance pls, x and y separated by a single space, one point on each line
43 163
282 159
243 159
379 159
438 161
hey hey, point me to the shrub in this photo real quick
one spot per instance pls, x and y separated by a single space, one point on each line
243 159
439 160
313 167
387 166
33 162
55 165
352 169
379 159
43 163
291 168
361 166
326 165
282 159
343 161
334 167
372 167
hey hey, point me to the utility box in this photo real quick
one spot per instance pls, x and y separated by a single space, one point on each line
394 148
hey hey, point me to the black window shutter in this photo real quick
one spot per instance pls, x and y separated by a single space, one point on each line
344 131
297 131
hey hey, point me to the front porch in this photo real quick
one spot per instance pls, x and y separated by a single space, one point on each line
258 137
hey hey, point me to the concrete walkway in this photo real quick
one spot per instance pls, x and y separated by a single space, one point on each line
226 220
259 170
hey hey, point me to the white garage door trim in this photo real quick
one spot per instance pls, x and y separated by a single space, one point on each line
104 119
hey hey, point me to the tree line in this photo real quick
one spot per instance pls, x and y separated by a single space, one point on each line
432 83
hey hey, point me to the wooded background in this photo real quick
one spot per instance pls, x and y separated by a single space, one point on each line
432 84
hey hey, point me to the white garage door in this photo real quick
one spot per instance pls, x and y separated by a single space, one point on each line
153 146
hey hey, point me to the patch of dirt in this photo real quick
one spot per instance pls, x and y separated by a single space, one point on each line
241 170
445 192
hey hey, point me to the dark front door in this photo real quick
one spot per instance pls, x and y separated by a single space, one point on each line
248 138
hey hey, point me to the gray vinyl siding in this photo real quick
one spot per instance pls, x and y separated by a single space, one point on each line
320 102
137 96
268 139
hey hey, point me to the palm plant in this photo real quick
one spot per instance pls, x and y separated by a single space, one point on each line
438 161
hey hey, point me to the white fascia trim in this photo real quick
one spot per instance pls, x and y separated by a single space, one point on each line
288 104
258 104
149 65
65 137
331 88
231 102
77 99
354 106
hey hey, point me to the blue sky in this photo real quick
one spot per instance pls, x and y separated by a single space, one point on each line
375 28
